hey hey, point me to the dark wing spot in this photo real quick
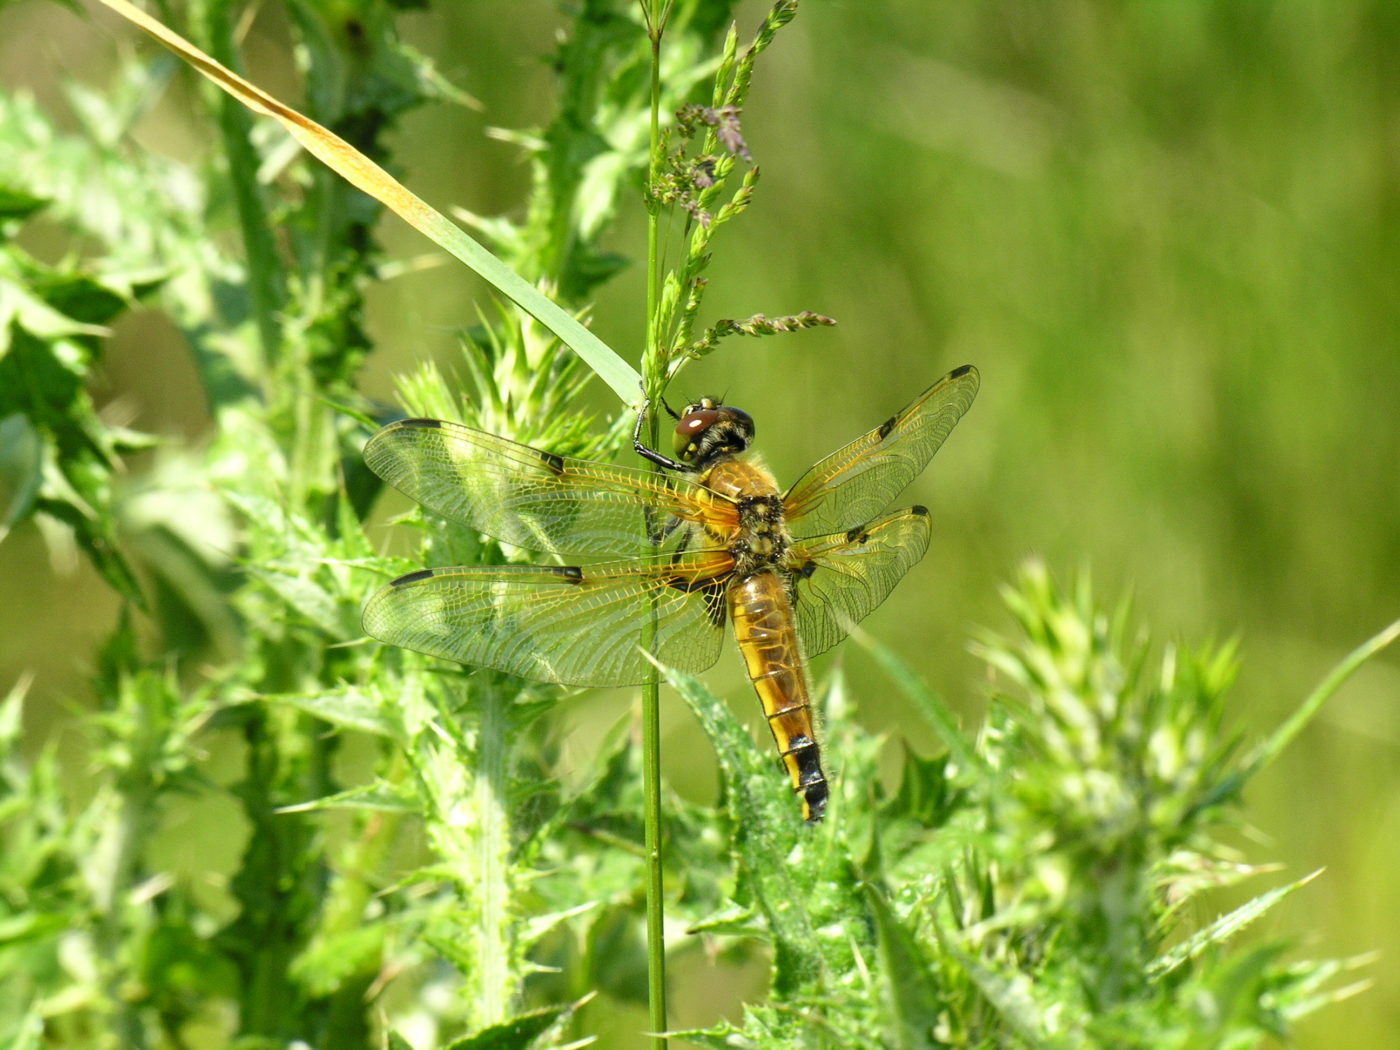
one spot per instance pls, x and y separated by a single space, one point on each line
686 585
422 424
553 462
961 370
806 569
713 589
919 509
570 573
857 535
887 426
412 577
715 603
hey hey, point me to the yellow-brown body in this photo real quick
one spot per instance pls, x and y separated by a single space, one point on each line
760 609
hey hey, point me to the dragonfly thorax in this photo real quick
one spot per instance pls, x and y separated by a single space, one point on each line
762 539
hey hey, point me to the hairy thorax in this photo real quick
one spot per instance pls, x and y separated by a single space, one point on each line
761 539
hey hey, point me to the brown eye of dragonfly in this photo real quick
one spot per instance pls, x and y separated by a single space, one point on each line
690 427
697 421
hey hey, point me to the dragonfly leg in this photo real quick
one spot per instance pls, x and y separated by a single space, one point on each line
650 454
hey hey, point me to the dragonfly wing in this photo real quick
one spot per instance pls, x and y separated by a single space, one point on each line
572 625
839 579
855 483
527 497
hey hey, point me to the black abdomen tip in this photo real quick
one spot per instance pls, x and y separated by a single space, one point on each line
814 797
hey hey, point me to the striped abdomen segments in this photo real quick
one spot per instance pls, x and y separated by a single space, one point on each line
763 626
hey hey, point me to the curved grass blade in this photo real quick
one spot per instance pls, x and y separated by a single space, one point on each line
1269 749
366 175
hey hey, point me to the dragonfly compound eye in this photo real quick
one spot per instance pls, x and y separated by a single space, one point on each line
691 428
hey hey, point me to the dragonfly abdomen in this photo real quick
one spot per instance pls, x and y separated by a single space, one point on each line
763 627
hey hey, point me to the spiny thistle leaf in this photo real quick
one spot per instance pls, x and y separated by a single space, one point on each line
1225 927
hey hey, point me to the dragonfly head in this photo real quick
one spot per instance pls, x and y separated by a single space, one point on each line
708 431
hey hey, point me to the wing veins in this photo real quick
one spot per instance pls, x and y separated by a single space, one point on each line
856 482
570 625
528 497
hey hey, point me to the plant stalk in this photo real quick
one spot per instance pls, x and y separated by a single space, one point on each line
651 690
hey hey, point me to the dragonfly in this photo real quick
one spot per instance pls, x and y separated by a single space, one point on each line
706 540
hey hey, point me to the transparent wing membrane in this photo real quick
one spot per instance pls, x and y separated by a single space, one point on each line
840 579
566 624
531 498
855 483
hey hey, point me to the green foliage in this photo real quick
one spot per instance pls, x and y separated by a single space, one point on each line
56 456
1038 895
402 848
691 175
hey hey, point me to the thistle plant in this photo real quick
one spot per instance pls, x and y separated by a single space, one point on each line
408 861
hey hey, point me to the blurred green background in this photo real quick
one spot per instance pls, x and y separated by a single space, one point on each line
1168 233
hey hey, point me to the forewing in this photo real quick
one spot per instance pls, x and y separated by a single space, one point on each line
855 483
839 579
565 624
527 497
